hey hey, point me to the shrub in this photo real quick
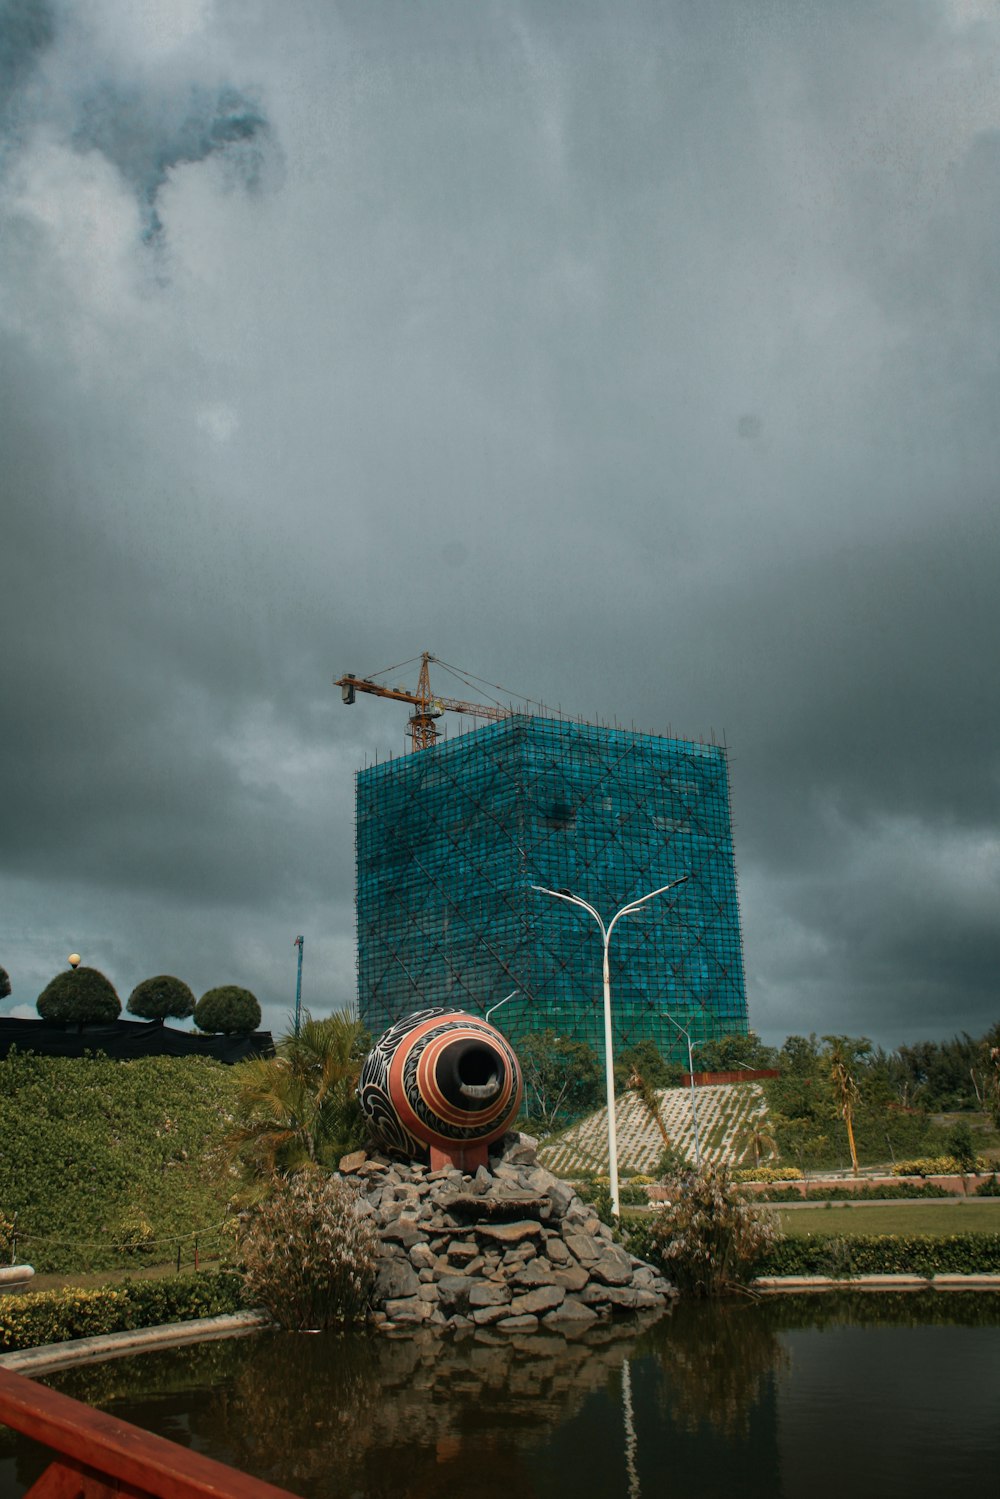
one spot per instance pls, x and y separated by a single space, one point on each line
865 1192
632 1194
308 1253
161 998
33 1318
883 1254
229 1009
706 1239
990 1187
80 996
937 1165
768 1174
4 983
88 1140
134 1233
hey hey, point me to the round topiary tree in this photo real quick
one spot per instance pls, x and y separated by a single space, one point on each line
82 996
4 983
161 998
229 1009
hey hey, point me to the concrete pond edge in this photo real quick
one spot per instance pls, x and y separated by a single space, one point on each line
50 1356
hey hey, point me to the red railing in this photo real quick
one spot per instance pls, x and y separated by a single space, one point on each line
100 1456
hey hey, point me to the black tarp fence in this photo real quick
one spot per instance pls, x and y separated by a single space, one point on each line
127 1039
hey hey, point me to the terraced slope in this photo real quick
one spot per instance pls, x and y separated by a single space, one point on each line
725 1111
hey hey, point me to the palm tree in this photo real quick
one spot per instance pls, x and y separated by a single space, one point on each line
842 1055
298 1109
647 1094
755 1137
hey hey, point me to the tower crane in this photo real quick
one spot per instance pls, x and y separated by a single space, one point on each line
422 729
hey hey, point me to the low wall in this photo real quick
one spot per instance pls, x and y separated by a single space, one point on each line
740 1075
812 1189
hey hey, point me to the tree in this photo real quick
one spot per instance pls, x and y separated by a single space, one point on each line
562 1077
299 1109
161 998
962 1146
79 996
756 1139
842 1056
646 1059
4 983
229 1009
734 1053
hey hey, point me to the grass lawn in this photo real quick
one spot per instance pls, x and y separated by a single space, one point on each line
978 1215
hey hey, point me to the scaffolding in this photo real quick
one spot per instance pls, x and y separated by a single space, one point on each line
451 839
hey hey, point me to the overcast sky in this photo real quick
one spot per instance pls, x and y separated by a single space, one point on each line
641 357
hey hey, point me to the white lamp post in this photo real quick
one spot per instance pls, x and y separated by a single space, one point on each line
694 1106
500 1002
633 905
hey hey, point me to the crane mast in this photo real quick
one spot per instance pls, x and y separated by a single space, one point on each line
428 707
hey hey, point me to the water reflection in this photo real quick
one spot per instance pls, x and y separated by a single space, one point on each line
716 1359
710 1399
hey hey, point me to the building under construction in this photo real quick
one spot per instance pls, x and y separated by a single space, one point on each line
451 839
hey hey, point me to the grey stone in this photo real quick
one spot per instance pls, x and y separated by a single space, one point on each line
409 1310
460 1252
612 1267
503 1172
484 1315
519 1323
556 1251
509 1233
542 1299
583 1247
429 1293
561 1197
395 1278
421 1257
402 1232
536 1272
455 1290
618 1297
519 1256
489 1293
572 1276
570 1312
582 1220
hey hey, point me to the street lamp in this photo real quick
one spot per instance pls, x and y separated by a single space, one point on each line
694 1106
500 1002
633 905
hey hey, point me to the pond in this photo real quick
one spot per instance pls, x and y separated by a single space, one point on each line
806 1396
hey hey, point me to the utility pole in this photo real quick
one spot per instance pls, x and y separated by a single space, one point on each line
300 943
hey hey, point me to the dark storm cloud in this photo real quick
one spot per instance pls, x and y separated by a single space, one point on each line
146 138
639 356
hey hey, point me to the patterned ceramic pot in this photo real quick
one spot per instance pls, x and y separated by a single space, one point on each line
443 1081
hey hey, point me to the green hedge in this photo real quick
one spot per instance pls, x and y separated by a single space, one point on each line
891 1192
34 1318
884 1254
109 1164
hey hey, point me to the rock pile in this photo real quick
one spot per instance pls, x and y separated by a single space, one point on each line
511 1247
